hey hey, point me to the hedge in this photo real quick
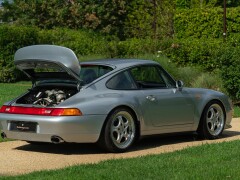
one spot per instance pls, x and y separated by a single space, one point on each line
231 71
15 37
11 40
210 55
82 42
134 47
205 22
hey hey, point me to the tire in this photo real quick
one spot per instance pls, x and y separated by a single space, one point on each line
212 121
119 132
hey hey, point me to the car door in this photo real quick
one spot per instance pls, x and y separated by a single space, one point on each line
162 103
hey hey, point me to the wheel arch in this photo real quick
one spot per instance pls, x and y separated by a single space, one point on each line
136 118
208 102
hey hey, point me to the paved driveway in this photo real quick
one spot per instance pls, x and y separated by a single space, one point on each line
18 157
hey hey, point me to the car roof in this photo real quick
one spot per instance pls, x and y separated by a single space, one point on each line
118 63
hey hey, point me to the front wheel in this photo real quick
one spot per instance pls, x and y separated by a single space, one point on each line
212 121
119 132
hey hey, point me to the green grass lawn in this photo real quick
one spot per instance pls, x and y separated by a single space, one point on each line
215 161
236 111
8 91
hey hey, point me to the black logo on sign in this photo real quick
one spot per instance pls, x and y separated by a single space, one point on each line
22 127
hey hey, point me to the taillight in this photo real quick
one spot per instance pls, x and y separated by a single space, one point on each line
41 111
66 112
2 109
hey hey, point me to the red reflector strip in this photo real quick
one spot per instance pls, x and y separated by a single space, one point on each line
57 112
40 111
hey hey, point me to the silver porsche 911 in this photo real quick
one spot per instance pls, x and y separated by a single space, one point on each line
112 102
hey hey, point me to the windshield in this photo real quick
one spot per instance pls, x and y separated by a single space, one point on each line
89 73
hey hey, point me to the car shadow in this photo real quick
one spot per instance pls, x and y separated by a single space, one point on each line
173 139
64 148
144 143
229 133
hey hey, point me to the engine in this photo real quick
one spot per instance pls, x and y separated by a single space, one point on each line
46 97
50 97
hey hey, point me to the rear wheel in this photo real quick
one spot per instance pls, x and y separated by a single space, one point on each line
212 121
119 132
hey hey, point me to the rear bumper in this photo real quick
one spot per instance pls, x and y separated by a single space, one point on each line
79 129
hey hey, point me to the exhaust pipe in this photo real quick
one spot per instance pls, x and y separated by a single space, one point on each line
56 140
3 135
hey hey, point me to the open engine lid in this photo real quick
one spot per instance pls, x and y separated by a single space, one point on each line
43 62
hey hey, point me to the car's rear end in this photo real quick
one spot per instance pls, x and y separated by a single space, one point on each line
38 115
54 125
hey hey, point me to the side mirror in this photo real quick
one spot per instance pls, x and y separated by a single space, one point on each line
179 85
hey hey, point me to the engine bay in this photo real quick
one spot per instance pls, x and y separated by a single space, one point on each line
47 96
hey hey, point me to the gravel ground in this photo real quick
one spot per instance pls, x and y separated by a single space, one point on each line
19 157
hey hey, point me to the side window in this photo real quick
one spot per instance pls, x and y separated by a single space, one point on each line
167 78
148 77
122 81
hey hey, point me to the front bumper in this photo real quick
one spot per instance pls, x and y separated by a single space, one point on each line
78 129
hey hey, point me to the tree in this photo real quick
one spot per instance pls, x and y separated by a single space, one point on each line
205 3
49 14
150 18
122 18
112 14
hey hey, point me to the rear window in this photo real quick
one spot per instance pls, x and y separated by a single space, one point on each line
89 73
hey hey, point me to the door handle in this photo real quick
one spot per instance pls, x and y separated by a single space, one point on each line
151 98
